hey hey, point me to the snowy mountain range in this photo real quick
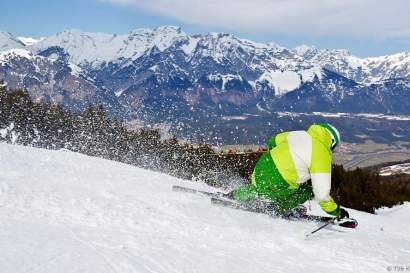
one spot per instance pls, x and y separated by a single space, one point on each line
164 74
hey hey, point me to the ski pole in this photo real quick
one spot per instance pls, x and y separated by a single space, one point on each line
321 227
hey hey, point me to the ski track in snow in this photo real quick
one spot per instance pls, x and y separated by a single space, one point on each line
65 212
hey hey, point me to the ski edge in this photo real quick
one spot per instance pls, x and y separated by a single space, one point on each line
195 191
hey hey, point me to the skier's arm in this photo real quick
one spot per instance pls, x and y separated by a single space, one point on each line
320 174
321 183
275 140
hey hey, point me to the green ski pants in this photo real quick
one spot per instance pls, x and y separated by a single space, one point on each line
268 183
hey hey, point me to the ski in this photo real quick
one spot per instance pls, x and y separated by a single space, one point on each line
266 209
259 206
195 191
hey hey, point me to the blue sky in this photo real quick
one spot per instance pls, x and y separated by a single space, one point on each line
364 27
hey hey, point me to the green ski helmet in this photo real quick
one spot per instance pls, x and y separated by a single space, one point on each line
334 134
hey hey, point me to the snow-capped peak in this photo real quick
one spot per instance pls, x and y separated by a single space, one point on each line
165 31
303 49
8 41
168 29
275 45
87 49
28 41
83 47
164 37
95 48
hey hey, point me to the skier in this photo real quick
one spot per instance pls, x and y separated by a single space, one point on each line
283 174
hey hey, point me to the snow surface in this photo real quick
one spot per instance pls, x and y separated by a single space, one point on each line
66 212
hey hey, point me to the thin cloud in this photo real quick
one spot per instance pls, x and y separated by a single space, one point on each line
379 19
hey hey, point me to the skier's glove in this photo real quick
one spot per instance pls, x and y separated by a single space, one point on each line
343 214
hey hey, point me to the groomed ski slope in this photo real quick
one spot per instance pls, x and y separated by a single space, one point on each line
65 212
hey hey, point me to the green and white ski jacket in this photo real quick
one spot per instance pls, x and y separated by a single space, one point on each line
300 156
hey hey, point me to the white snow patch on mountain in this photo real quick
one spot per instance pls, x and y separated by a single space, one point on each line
28 41
118 93
303 49
260 108
190 46
13 53
60 209
224 78
164 37
8 41
75 69
310 74
282 81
